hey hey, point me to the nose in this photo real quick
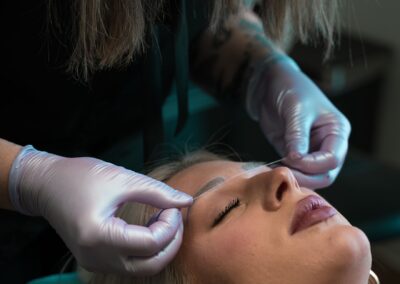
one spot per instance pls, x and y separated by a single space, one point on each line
270 187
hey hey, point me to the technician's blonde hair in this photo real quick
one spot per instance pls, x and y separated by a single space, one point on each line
137 213
110 33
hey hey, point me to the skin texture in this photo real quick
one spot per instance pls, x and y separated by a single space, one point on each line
8 152
253 242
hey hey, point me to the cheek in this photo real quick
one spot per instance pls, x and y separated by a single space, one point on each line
340 242
234 250
330 250
350 247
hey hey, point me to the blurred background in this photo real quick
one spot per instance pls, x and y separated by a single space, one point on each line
378 21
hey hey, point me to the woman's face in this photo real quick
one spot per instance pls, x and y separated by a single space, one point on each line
245 229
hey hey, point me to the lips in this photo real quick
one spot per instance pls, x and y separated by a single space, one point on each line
310 211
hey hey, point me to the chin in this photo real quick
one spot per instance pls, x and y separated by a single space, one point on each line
350 249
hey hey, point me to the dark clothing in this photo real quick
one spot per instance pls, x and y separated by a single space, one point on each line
43 106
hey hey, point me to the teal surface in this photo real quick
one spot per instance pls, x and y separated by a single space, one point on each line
198 101
62 278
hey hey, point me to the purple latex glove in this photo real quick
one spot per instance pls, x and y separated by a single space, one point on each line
299 121
80 196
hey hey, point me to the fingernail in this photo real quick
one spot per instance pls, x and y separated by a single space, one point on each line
295 156
182 198
185 196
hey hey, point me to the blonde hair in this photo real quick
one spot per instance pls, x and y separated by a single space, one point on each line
137 213
109 34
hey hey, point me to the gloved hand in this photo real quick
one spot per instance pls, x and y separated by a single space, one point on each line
300 122
80 196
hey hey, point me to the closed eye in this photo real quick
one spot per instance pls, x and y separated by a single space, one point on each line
232 204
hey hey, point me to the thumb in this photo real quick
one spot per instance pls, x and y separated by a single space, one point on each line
297 137
147 190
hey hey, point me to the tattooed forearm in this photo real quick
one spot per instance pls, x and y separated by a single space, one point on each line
221 37
221 62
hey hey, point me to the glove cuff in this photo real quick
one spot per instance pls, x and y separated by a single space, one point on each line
253 99
23 183
15 177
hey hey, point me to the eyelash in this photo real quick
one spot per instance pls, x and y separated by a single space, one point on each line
233 204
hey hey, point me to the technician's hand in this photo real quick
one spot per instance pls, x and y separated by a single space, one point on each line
80 196
301 123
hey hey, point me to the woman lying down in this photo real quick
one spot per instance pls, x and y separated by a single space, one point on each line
252 224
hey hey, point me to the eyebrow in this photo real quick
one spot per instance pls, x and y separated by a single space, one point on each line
212 183
218 180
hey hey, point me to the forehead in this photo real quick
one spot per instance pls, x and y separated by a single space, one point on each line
191 179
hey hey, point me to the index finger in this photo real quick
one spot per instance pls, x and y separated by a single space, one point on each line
139 266
331 156
143 241
315 181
